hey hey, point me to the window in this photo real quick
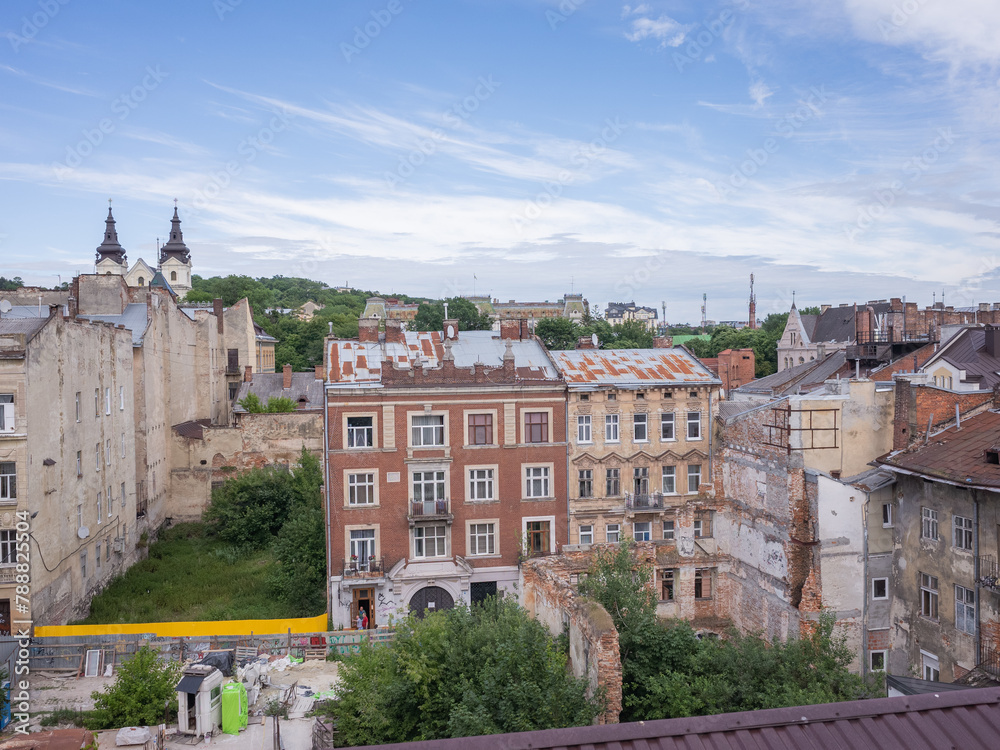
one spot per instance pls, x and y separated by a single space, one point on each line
8 547
107 400
142 281
97 456
539 542
97 555
536 480
667 578
667 427
360 432
586 482
640 432
481 484
77 405
640 395
640 480
586 535
173 275
694 478
612 482
428 429
642 531
876 661
361 489
99 505
612 397
83 564
123 494
536 427
612 532
611 428
429 541
585 397
8 481
428 486
121 398
963 533
928 596
669 483
123 445
694 425
482 539
79 515
111 502
79 463
703 583
480 429
583 431
703 525
931 665
6 412
107 451
362 546
928 523
880 588
669 531
97 402
965 609
886 515
107 551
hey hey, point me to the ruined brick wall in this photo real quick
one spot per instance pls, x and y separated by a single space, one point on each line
904 364
916 406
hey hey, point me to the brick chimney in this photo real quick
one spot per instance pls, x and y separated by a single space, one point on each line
450 330
585 342
992 340
513 329
394 332
663 342
901 436
248 374
320 372
368 330
220 320
286 377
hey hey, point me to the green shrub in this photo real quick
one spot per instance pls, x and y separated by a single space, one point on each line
144 686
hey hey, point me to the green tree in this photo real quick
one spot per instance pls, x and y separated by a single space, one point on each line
458 673
142 688
247 511
430 316
10 285
558 333
299 578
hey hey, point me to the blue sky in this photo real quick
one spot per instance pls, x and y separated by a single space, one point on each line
657 151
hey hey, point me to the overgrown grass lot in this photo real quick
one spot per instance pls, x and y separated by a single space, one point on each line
190 575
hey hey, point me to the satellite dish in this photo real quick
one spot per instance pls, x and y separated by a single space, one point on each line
450 333
83 532
593 339
5 306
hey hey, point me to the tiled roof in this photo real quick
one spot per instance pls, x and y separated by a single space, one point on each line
631 367
967 351
356 363
966 719
268 385
956 455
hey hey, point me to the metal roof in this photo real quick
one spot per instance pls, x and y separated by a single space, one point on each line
268 385
966 719
357 363
27 326
134 318
806 376
631 367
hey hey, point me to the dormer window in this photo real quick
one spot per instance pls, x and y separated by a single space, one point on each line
993 455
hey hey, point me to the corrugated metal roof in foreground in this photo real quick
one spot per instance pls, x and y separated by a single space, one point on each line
966 719
631 367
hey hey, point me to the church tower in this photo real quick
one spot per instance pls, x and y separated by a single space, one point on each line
110 254
175 259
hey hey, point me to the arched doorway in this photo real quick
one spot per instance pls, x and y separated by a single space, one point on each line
431 598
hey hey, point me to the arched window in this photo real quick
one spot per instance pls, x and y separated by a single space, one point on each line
801 361
107 273
142 281
173 275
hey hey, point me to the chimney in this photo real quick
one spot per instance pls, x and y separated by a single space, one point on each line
663 342
451 330
217 309
320 374
55 310
992 340
820 351
585 342
286 377
368 330
984 307
394 332
248 374
823 308
512 329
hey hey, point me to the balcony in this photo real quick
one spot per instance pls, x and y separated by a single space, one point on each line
430 510
373 567
642 502
7 574
989 573
989 661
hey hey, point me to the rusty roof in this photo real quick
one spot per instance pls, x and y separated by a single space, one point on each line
631 367
955 455
966 719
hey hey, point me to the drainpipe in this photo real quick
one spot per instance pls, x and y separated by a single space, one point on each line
976 571
864 597
711 428
326 481
569 536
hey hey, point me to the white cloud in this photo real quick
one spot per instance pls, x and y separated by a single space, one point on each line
759 92
669 32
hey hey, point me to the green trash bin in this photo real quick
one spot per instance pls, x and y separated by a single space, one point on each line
235 708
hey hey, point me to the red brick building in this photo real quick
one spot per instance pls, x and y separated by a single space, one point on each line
446 460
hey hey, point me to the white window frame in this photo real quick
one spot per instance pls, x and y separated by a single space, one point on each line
640 419
584 429
8 482
612 428
642 531
370 544
107 401
965 610
551 520
586 534
691 473
123 445
111 502
887 516
875 596
422 539
929 524
930 666
883 654
97 456
482 531
930 597
430 480
419 433
668 427
696 423
533 475
124 494
668 472
78 406
368 481
97 402
83 564
7 412
669 532
107 452
99 506
121 398
613 533
79 463
353 432
481 485
8 547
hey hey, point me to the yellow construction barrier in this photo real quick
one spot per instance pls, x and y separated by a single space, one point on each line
191 629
